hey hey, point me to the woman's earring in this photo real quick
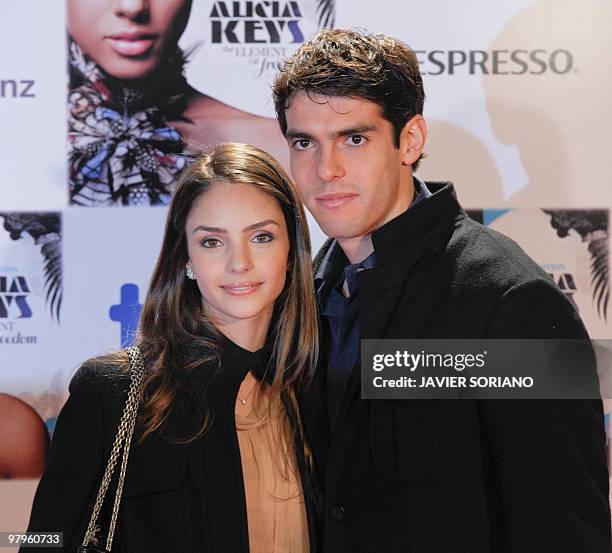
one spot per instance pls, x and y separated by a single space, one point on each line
189 273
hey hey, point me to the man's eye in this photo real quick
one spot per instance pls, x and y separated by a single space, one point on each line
356 139
301 144
211 243
262 238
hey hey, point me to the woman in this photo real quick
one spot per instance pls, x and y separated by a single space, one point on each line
133 118
229 336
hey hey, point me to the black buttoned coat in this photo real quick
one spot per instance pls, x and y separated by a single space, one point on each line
177 498
460 476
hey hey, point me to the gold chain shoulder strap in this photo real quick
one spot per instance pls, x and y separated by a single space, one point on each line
122 442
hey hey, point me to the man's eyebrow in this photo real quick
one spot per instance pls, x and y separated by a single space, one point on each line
356 129
360 128
218 230
297 134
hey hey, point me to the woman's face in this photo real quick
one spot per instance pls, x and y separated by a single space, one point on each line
238 248
127 38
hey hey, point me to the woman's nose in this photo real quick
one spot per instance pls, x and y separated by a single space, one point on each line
132 9
240 260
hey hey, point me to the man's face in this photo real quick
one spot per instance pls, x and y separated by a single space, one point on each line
349 173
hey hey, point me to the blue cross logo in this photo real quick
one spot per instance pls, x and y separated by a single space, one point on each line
127 313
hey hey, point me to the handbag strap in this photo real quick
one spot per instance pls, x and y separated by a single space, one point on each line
122 442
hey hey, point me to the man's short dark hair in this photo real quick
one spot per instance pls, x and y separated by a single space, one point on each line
341 62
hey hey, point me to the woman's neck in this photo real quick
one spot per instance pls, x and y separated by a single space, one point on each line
249 334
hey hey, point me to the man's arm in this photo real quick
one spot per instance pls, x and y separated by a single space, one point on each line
548 456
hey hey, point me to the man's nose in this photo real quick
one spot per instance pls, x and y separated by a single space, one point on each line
330 166
132 9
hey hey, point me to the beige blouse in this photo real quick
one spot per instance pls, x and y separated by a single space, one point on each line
276 512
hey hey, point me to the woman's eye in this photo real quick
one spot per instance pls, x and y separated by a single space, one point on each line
262 238
211 243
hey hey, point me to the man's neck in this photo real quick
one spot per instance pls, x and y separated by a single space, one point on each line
356 249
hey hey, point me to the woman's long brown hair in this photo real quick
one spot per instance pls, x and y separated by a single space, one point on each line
173 325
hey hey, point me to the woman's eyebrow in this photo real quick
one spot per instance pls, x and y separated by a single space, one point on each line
220 230
209 229
260 224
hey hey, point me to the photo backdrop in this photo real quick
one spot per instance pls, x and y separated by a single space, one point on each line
518 118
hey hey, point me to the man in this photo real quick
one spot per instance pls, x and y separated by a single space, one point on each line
405 261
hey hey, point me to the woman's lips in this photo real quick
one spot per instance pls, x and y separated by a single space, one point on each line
332 201
241 288
131 46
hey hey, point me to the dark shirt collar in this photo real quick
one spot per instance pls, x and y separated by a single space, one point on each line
350 273
422 191
258 362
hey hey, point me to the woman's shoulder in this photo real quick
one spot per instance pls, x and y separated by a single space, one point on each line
102 373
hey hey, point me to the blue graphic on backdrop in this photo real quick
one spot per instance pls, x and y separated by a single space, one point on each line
14 293
127 313
489 215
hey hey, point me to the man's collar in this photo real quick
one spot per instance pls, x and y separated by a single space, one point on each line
435 204
330 254
411 229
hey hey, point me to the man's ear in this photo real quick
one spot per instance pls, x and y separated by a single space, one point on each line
412 139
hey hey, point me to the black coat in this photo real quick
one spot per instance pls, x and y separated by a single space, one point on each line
177 498
460 476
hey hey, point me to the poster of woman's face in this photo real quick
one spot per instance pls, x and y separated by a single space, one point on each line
126 88
128 40
134 120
